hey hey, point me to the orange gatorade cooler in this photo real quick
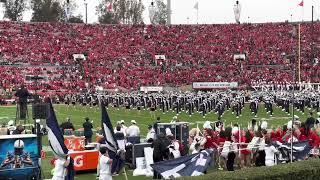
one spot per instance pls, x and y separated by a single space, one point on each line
79 143
85 160
69 142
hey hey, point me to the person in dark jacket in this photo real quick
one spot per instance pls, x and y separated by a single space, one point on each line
118 164
66 125
310 121
18 130
87 128
155 125
23 95
160 151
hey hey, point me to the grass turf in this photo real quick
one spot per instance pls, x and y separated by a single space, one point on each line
144 118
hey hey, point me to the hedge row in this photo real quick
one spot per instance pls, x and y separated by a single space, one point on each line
308 169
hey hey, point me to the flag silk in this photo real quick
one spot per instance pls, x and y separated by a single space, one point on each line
192 165
300 149
301 3
110 142
107 130
55 136
196 6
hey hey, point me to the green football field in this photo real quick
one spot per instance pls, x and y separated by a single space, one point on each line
143 119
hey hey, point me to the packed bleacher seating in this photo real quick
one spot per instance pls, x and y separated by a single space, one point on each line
123 55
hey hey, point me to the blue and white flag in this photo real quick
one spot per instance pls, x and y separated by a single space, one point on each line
55 136
56 141
110 141
300 149
192 165
107 130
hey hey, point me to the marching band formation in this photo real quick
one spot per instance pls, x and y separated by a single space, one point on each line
202 102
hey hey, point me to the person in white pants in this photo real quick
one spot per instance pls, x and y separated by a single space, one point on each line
104 165
60 168
271 151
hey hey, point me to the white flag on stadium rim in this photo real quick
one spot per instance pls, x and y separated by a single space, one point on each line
237 11
196 6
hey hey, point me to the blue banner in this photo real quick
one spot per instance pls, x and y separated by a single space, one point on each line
192 165
110 142
300 150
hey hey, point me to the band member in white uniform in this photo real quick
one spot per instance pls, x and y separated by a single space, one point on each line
104 165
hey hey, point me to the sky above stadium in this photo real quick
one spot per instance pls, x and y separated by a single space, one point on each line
218 11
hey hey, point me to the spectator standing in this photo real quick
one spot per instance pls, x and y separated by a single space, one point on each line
160 151
151 134
60 168
87 129
123 127
310 121
121 141
23 95
270 151
133 130
67 125
104 165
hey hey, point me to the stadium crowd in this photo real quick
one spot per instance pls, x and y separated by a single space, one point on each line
124 56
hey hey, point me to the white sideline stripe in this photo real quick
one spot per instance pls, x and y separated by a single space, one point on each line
4 117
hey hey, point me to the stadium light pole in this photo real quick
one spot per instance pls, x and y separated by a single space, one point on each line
169 12
86 6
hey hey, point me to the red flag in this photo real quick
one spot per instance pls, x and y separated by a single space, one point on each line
301 3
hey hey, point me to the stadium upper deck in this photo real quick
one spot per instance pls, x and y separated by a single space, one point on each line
123 55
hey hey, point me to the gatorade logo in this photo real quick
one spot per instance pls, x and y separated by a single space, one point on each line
78 161
70 144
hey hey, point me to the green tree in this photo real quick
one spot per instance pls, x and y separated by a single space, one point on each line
14 9
47 11
161 15
122 11
71 6
76 19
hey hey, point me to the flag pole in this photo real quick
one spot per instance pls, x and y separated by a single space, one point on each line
302 13
197 12
239 143
299 52
197 7
125 173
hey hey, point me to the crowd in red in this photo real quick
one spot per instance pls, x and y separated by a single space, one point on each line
123 55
